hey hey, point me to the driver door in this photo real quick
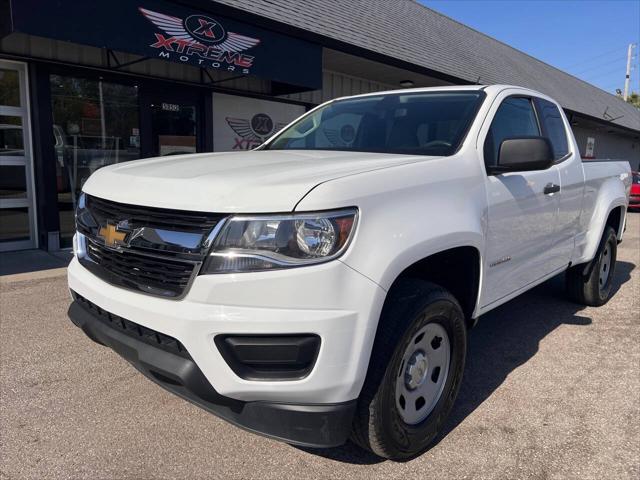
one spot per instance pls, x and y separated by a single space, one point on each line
522 208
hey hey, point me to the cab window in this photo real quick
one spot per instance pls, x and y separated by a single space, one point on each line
515 118
553 127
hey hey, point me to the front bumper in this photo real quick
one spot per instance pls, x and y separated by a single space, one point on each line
330 300
325 425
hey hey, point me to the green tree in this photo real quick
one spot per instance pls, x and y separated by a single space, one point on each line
634 99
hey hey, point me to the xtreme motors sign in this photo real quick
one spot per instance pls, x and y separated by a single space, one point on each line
202 40
176 33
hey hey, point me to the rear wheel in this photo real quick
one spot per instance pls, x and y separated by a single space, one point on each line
415 371
591 284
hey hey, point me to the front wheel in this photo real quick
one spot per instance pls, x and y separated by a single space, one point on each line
591 284
415 371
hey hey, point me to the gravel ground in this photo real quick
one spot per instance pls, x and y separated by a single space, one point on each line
551 390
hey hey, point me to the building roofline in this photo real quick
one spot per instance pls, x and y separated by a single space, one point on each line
587 99
522 52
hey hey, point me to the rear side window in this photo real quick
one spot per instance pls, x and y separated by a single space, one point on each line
553 127
515 118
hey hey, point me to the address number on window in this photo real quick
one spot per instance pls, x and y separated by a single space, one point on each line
171 107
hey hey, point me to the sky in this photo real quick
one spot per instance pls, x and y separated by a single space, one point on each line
586 38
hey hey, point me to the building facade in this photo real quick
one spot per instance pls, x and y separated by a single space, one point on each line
88 84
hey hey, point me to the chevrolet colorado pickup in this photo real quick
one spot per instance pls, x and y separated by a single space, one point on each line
321 286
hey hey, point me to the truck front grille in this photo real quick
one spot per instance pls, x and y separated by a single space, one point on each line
156 251
176 220
129 269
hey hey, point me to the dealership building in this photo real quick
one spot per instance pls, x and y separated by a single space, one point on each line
87 84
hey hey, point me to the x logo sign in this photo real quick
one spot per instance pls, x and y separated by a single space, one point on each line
205 28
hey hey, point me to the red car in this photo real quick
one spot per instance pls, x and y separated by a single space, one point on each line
634 198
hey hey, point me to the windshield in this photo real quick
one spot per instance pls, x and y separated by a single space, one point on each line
424 123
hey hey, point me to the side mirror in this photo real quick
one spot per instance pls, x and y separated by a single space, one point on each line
524 154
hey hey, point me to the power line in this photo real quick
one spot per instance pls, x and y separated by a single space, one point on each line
613 84
602 74
635 66
590 59
635 63
597 75
620 59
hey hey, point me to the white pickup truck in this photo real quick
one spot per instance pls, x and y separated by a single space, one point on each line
321 286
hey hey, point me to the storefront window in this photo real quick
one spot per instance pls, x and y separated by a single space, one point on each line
13 182
9 87
14 224
95 123
11 141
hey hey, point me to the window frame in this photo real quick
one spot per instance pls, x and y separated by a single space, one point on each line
25 160
486 135
537 101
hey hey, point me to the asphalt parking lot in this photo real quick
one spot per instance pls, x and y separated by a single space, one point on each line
551 390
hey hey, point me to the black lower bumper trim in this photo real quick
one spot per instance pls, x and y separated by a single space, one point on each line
321 425
269 357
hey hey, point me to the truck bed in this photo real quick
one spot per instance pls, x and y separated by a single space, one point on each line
603 180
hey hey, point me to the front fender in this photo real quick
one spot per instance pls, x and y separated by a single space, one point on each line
408 213
398 262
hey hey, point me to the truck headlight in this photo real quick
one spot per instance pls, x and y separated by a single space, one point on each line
269 242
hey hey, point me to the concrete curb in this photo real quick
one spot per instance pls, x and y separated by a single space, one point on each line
38 275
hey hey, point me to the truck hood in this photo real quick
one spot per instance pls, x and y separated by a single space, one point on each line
252 182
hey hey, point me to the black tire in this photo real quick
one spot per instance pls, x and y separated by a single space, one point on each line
584 282
378 426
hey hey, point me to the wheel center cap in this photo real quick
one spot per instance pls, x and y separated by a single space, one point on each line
416 370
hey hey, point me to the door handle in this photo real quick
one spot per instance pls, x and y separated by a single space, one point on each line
551 188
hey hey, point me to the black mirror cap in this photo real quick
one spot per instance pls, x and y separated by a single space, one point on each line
524 154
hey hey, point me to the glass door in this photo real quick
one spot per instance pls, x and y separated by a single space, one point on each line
172 125
17 218
95 124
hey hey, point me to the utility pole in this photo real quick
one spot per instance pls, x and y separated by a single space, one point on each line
626 78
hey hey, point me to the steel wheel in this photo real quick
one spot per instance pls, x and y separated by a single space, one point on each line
423 372
605 268
592 283
415 371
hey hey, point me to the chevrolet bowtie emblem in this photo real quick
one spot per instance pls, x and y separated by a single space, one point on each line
112 237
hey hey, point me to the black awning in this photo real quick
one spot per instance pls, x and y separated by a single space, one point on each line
159 29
